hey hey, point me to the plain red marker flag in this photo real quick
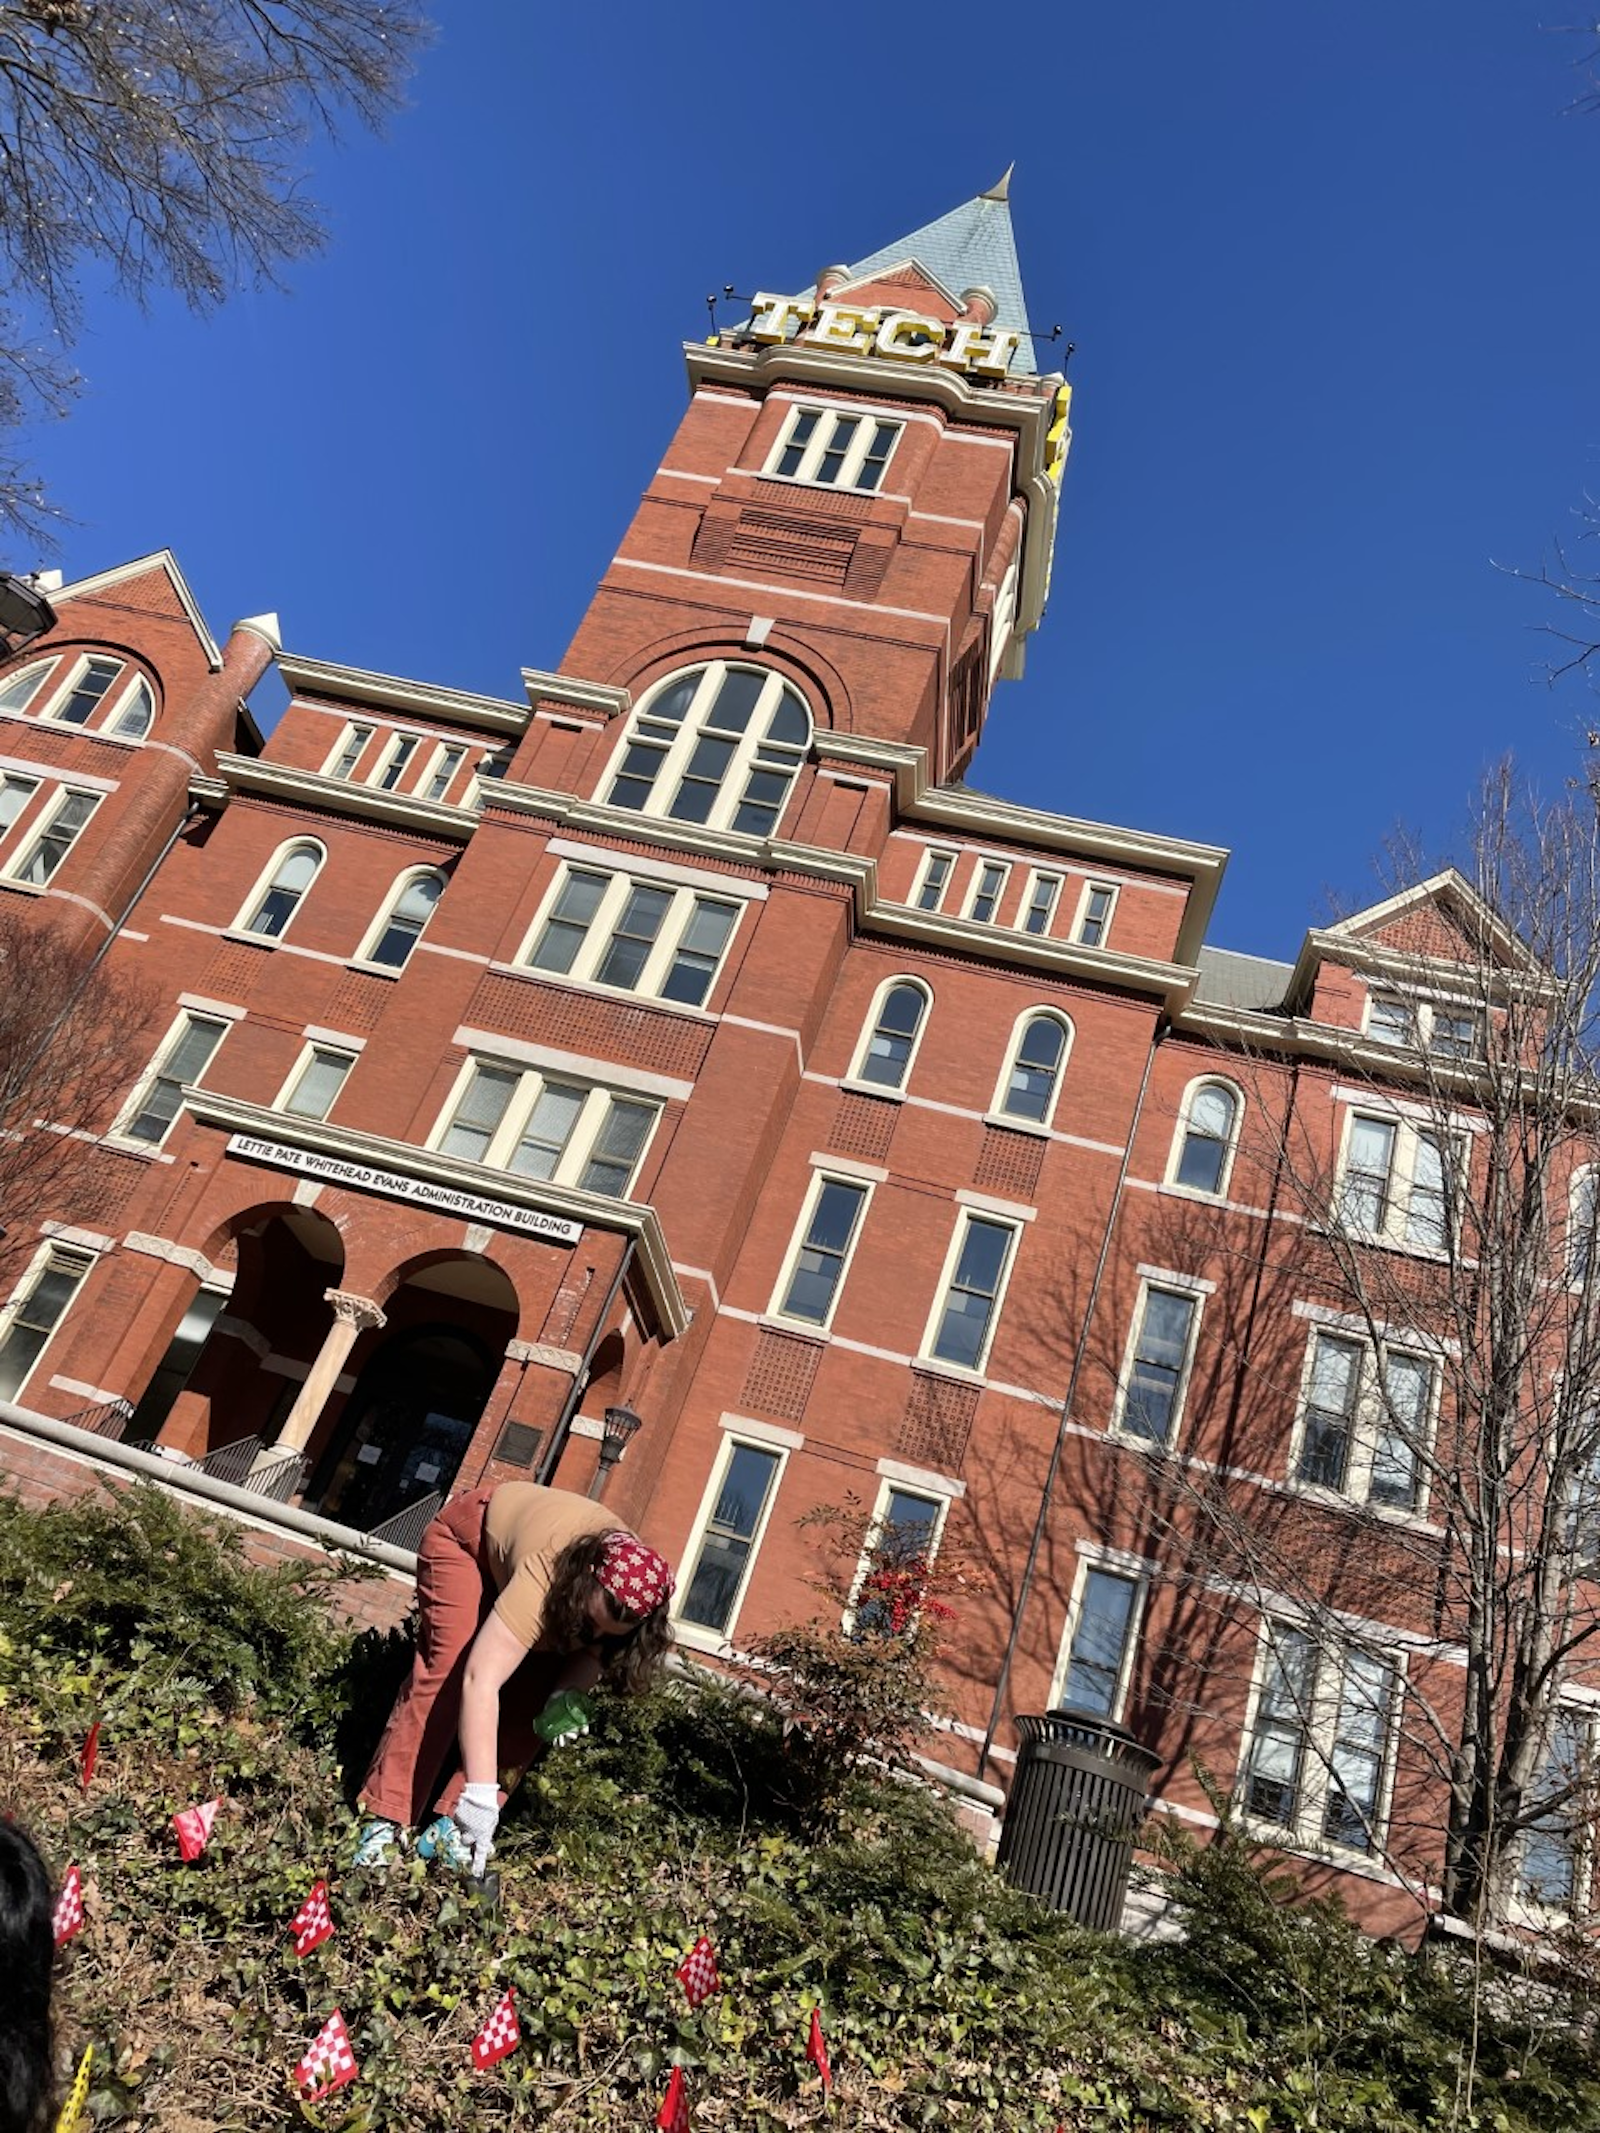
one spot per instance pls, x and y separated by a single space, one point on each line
312 1924
817 2051
673 2116
91 1755
502 2033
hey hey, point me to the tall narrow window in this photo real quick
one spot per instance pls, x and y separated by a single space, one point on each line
1275 1764
615 1151
295 871
728 1536
987 888
699 952
394 764
1043 891
1369 1166
348 753
183 1059
137 710
408 915
965 1319
320 1078
1097 1658
885 1057
477 1116
813 1285
634 935
1356 1752
87 692
1330 1418
1094 915
936 871
15 793
719 745
1550 1849
904 1535
1158 1364
570 918
45 1298
63 825
1583 1204
446 762
1205 1137
1033 1075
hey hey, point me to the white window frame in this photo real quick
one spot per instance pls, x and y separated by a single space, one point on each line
820 1180
396 757
310 1051
385 918
673 743
143 1088
600 933
75 673
17 865
776 1444
869 1030
1090 1563
825 418
1171 1285
1040 900
987 871
889 1487
53 1250
1366 1420
34 675
112 726
1083 917
936 855
1423 1017
352 742
1185 1126
1583 1225
29 787
1019 1030
444 768
1534 1909
530 1084
1318 1726
1400 1178
252 905
966 1217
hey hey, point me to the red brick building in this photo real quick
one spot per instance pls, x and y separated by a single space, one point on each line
683 1031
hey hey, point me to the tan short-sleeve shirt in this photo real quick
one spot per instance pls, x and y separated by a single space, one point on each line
525 1529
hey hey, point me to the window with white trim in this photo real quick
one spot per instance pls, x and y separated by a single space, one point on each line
1448 1029
1366 1421
834 449
342 763
977 1267
136 713
86 692
446 762
814 1270
1207 1135
1155 1375
15 793
18 690
1095 906
1319 1747
392 764
1030 1081
903 1536
1583 1207
404 921
46 1294
934 879
724 1547
1039 903
541 1125
1555 1853
314 1085
719 745
894 1028
187 1052
1097 1651
271 905
63 822
988 886
1394 1186
632 935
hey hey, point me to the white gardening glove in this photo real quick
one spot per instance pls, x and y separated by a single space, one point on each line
477 1815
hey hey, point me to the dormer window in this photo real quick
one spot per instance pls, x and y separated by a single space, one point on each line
719 745
1447 1029
836 450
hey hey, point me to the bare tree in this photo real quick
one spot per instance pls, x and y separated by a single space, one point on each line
162 141
1425 1335
73 1037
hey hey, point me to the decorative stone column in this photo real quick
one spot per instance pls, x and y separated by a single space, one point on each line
352 1315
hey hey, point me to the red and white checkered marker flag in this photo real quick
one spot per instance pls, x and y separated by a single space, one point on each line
312 1924
68 1918
330 2062
697 1973
91 1755
817 2051
193 1825
673 2116
500 2034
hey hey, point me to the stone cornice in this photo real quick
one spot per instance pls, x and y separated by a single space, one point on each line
1025 406
583 695
340 796
1171 983
392 692
632 1218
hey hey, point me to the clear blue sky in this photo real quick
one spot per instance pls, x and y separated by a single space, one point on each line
1330 274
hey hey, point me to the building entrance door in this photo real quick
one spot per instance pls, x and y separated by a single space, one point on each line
410 1420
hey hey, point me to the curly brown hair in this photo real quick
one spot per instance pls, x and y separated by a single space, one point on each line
632 1659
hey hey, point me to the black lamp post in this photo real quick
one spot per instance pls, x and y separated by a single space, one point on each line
25 613
617 1432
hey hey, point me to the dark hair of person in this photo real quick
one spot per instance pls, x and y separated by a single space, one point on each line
27 1957
631 1660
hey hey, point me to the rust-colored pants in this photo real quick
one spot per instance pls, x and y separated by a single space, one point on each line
455 1594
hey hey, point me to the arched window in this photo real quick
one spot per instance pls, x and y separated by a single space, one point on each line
891 1034
1032 1079
272 907
87 692
409 912
138 709
20 689
1208 1126
718 745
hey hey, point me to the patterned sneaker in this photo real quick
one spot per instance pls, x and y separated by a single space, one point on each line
378 1843
441 1841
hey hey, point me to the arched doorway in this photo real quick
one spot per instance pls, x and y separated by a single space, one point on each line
407 1426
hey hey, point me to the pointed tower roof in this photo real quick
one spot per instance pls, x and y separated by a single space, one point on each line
971 246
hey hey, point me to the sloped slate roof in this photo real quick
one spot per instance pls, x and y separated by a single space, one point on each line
1228 979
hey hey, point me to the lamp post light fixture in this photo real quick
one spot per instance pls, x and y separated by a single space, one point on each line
25 613
617 1432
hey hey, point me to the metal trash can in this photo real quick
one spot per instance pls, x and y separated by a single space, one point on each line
1076 1805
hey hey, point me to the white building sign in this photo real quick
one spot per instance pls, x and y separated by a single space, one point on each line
443 1199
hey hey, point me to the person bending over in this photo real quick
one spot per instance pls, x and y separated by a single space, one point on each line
523 1594
27 1959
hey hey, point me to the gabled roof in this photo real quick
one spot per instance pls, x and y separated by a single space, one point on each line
971 246
184 601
